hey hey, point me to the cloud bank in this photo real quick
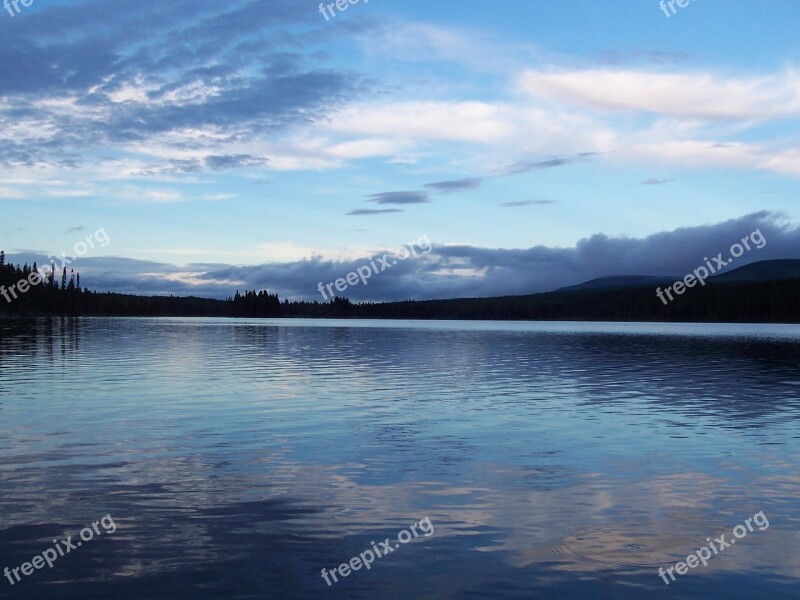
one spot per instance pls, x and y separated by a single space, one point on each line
453 271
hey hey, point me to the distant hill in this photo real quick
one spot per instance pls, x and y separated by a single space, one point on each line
765 270
607 283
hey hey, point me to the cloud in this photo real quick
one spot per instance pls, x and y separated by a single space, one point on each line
471 183
156 70
167 92
653 181
370 211
519 203
659 57
699 154
400 198
692 95
75 229
552 163
466 121
458 185
234 161
111 93
420 41
454 271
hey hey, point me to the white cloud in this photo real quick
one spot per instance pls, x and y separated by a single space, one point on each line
471 121
192 279
367 148
702 96
12 193
425 42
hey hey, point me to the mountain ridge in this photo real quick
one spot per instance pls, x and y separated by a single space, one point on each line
765 270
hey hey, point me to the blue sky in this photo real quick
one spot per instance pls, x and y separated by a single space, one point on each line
255 144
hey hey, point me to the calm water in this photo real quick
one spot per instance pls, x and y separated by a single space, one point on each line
239 458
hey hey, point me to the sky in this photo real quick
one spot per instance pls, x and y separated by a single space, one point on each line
261 144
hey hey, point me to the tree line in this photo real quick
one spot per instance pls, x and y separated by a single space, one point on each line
25 288
752 302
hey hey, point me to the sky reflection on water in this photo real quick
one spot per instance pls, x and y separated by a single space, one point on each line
239 458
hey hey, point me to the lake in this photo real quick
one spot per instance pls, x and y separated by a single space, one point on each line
240 458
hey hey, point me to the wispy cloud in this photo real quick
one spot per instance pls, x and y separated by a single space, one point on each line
458 185
692 95
362 212
551 163
400 198
235 161
519 203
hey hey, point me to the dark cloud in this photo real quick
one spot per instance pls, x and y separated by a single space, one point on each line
374 211
471 183
400 198
551 163
456 271
458 185
653 181
75 229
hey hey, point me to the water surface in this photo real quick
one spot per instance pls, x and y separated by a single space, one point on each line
238 458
